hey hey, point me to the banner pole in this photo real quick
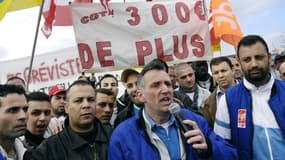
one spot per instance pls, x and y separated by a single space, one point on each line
35 44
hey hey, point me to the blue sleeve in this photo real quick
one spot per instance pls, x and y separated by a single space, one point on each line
221 149
115 151
1 156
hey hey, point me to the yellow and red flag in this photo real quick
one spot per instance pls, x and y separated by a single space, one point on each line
223 24
13 5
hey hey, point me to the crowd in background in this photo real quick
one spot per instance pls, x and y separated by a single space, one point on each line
235 110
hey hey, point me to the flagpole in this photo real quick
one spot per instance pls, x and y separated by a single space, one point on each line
35 44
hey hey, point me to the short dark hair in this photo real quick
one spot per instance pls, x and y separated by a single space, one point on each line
76 83
38 96
105 91
251 40
218 60
16 77
155 64
180 66
107 76
199 63
11 89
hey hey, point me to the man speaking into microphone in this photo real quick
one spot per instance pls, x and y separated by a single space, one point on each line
157 134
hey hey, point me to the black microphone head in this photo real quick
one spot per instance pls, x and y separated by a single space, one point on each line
174 108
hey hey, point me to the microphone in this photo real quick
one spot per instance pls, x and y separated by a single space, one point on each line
175 108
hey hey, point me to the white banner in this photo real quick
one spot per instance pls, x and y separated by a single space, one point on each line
57 67
134 33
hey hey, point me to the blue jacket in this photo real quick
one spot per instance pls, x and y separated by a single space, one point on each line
130 141
242 138
1 157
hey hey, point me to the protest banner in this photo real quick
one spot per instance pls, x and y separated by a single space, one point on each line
56 67
132 34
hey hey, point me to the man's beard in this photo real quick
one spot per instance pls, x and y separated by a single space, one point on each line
263 76
60 112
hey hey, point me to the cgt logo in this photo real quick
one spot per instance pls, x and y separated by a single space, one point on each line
242 118
95 16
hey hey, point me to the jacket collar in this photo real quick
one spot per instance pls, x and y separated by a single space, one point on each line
76 141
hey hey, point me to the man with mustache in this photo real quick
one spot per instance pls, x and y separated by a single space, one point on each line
155 133
57 99
251 114
105 102
39 115
83 136
13 117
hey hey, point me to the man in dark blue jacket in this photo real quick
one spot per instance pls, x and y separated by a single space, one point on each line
156 134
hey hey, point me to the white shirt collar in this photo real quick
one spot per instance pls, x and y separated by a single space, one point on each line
264 87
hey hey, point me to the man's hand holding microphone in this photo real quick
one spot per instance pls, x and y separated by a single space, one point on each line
191 131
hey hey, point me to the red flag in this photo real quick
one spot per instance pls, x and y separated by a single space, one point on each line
57 13
223 24
105 3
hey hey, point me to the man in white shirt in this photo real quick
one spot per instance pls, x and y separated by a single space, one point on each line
185 77
13 119
57 98
223 75
251 114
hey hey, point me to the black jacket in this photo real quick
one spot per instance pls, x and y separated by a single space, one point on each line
126 113
31 141
68 145
123 102
184 100
212 85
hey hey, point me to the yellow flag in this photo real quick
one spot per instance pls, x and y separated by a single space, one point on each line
216 48
13 5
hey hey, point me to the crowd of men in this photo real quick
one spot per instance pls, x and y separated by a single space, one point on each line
235 111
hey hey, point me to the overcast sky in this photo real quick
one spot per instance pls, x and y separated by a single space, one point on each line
17 29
